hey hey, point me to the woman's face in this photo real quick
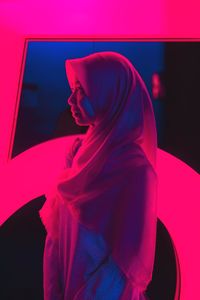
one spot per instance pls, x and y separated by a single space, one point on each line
81 106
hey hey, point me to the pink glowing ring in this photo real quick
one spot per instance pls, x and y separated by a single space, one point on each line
178 197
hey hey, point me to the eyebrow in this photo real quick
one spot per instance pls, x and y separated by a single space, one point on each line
77 82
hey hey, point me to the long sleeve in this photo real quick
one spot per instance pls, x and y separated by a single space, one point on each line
106 283
51 274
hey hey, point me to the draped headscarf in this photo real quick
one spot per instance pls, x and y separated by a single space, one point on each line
111 187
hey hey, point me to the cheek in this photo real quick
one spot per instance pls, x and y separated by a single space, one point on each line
87 107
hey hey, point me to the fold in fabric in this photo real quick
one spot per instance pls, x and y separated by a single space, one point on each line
107 283
127 197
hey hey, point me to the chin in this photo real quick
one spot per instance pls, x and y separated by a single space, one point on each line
81 123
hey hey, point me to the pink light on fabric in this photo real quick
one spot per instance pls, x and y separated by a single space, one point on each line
111 187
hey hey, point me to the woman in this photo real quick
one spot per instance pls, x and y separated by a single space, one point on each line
101 215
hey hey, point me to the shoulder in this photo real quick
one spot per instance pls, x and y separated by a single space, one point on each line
134 172
132 160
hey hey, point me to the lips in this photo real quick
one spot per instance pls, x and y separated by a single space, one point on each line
75 111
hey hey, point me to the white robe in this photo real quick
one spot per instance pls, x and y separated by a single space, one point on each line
79 266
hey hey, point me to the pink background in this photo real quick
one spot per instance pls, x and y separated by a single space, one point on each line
178 205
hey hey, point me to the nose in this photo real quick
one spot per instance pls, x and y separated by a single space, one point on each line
72 99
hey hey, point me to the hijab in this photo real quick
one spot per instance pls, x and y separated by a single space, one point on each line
111 187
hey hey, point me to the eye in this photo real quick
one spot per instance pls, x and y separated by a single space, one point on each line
77 88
